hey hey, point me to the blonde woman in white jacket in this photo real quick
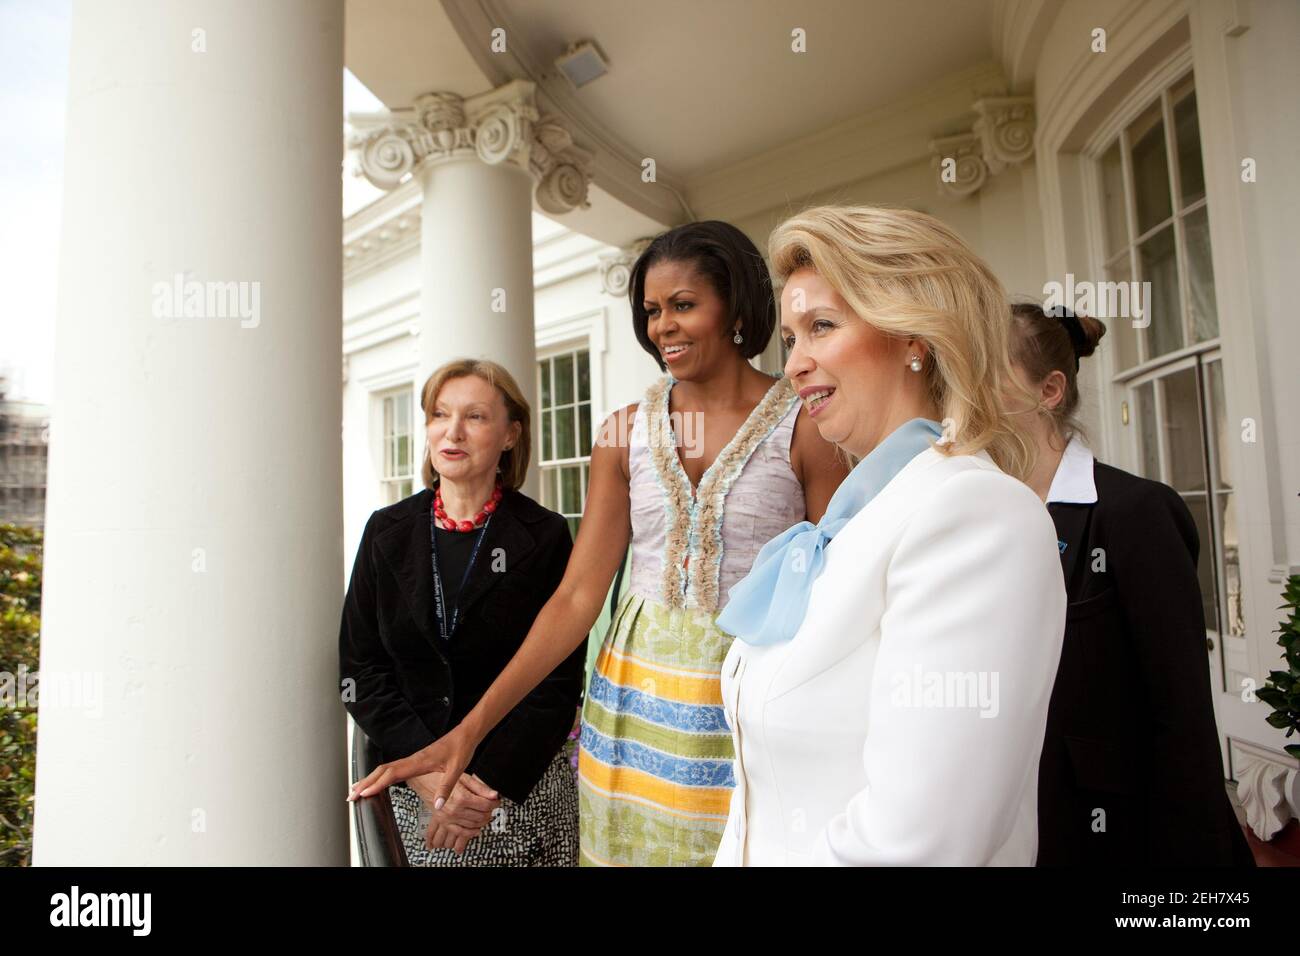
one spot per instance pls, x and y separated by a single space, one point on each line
888 687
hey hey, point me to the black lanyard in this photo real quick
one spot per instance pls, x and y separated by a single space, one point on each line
444 631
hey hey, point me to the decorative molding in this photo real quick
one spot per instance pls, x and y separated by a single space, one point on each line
1006 130
391 377
1268 785
969 168
1002 136
499 127
1019 29
616 268
382 243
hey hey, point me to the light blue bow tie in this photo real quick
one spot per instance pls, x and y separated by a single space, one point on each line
768 604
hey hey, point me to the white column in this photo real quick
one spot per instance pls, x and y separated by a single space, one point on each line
480 162
194 532
476 256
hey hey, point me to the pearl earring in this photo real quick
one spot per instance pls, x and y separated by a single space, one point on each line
915 364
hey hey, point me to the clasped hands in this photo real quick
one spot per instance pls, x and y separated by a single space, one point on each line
431 772
463 815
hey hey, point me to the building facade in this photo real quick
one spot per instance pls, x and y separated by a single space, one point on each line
24 446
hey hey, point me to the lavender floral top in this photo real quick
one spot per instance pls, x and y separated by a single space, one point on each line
689 546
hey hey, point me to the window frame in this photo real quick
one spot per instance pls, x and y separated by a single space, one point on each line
548 467
391 486
1121 384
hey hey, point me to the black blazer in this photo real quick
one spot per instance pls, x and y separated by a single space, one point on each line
408 689
1130 728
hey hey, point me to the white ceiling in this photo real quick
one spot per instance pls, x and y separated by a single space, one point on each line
700 85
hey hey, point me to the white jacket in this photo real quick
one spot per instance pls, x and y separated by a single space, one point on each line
904 721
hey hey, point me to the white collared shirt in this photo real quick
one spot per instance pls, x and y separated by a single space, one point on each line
1073 482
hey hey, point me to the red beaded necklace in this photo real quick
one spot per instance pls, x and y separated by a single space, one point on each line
451 524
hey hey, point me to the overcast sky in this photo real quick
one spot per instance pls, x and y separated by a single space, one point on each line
33 87
33 91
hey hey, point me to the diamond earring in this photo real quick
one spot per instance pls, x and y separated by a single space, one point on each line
915 364
737 338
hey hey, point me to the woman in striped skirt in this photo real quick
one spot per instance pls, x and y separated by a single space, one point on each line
698 476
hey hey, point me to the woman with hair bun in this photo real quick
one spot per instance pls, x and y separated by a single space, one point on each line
1130 772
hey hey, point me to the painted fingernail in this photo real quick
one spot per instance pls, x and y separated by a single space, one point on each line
437 804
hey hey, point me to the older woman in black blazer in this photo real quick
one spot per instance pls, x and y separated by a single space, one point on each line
422 637
1130 772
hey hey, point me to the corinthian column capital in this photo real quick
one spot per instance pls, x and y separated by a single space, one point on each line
497 127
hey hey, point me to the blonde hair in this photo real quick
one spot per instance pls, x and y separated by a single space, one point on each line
908 275
514 461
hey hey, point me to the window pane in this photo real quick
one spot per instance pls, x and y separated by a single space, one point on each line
1121 327
1150 169
1159 266
1147 436
1112 183
548 488
403 410
1185 448
546 436
1205 565
584 376
406 489
1219 426
1200 276
584 430
1187 135
1234 610
403 454
546 383
564 379
570 492
565 444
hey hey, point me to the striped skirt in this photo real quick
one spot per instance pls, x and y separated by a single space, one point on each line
655 758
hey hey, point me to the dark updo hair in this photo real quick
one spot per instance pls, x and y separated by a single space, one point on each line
1054 341
732 264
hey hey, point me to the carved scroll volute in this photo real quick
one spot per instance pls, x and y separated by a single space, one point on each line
386 156
1005 127
961 168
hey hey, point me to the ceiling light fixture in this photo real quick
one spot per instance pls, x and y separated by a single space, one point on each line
582 62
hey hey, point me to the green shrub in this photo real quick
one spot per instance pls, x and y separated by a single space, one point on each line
1282 691
20 630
